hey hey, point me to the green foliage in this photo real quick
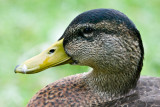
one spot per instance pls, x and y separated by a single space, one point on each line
29 26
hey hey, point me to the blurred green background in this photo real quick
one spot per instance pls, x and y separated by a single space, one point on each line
29 26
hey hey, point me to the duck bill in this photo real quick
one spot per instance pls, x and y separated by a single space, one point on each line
53 56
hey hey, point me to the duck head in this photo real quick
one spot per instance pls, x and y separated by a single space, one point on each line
104 39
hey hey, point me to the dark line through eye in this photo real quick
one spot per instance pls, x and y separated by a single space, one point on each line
87 30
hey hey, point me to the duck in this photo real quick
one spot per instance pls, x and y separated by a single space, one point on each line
107 41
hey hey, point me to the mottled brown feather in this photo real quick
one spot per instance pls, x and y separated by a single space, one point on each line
115 52
73 92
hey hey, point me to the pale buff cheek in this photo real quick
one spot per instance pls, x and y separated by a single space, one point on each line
106 50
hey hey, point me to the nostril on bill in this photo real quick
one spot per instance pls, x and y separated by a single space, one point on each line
51 51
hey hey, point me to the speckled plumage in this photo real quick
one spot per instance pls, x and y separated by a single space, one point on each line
70 93
114 49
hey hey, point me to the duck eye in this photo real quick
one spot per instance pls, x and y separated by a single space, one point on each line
51 51
87 30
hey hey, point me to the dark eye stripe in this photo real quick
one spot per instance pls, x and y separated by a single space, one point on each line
87 30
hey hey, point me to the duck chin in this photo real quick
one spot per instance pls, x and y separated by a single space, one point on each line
75 62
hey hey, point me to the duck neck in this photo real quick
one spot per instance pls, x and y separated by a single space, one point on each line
112 85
